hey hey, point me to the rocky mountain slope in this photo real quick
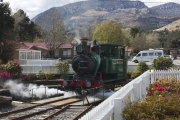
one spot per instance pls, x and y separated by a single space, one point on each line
128 13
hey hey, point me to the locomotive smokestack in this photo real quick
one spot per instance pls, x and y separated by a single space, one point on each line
84 44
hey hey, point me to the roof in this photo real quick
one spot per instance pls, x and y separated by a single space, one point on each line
66 45
39 45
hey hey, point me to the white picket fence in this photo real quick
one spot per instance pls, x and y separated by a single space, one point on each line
112 107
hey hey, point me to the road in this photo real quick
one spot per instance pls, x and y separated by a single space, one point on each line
175 62
133 66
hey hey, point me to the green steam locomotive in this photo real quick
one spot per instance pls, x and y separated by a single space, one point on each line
97 65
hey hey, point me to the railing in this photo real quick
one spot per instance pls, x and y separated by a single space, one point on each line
36 69
34 66
38 62
26 69
112 107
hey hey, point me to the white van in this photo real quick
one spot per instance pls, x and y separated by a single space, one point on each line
147 55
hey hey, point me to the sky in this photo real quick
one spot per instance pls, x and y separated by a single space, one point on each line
34 7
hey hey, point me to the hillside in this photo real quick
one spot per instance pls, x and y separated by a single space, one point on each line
171 27
128 13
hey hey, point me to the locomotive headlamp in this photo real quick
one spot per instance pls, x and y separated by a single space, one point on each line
65 83
79 49
88 84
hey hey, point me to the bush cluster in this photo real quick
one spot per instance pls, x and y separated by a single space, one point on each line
5 75
49 75
12 67
40 75
142 67
161 103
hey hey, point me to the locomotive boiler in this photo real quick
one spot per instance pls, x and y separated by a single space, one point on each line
97 65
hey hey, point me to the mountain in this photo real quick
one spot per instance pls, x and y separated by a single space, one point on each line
167 10
128 13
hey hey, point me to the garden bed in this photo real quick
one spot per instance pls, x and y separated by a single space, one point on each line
162 103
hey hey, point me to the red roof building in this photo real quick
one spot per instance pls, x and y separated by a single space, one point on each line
65 50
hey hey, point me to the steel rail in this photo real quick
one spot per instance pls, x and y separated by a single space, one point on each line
28 108
42 111
83 112
57 112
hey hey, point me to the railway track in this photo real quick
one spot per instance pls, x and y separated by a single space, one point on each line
56 109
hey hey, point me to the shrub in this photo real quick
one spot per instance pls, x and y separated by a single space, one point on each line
40 75
63 67
141 68
49 75
162 63
135 74
162 102
14 68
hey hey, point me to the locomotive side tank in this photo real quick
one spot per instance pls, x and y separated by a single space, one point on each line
97 65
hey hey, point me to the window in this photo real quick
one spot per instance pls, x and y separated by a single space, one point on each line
65 53
144 54
25 55
29 55
138 55
22 55
158 54
151 54
111 52
37 55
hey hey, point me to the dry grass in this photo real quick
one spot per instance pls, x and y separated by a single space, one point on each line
171 27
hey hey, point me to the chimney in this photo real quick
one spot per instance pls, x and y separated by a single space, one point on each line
84 44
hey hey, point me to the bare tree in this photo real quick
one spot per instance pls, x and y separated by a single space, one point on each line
139 43
53 31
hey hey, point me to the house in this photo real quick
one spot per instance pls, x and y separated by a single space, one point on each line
39 50
128 51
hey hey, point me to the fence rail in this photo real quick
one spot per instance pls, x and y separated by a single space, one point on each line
135 90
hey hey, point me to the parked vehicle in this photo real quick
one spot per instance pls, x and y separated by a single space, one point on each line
148 55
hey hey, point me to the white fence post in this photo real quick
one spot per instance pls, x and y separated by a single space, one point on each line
143 87
136 93
118 108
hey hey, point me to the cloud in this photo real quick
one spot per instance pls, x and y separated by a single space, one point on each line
34 7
